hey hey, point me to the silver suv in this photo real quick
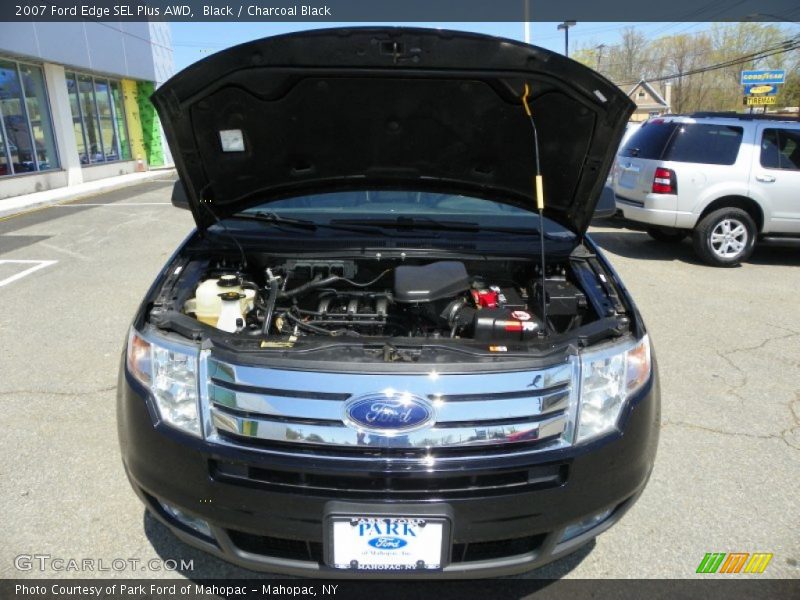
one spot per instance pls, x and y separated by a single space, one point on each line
727 179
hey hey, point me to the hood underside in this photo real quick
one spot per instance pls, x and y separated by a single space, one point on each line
371 108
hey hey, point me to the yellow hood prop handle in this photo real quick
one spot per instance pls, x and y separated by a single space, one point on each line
538 182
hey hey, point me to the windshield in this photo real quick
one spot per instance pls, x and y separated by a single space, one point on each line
406 206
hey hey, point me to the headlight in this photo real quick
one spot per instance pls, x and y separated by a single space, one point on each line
608 378
171 375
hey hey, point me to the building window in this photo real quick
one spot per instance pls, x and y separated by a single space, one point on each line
98 119
26 131
119 120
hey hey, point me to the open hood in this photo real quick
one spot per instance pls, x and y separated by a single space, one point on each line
390 107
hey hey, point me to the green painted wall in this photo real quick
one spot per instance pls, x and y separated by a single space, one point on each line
130 100
151 133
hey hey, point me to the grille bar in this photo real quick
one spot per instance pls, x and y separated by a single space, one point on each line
447 408
281 409
342 435
397 484
307 550
421 384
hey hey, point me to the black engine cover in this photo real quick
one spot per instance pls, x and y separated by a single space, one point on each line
427 283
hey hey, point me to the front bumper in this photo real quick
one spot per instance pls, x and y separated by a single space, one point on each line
264 528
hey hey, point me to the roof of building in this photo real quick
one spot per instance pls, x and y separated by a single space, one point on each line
653 92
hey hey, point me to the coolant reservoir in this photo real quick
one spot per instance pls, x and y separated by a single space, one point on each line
230 316
207 301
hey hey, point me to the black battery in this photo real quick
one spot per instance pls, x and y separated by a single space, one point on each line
509 298
562 297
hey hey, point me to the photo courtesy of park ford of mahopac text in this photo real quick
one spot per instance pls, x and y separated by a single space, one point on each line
448 299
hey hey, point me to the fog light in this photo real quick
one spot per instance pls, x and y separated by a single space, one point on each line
580 527
195 523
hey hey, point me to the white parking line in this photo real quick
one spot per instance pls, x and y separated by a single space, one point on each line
37 264
113 204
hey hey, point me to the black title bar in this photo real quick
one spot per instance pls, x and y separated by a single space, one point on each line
389 11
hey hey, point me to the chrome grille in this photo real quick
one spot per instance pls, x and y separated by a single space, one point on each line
305 409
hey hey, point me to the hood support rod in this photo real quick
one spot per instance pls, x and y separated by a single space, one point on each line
539 191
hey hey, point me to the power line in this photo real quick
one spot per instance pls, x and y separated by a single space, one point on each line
786 46
661 59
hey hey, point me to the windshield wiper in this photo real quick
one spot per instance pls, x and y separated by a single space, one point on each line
270 217
273 218
411 223
523 231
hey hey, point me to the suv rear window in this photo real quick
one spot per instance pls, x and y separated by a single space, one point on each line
649 140
708 144
686 142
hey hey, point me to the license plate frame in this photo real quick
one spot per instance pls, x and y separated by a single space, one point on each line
440 518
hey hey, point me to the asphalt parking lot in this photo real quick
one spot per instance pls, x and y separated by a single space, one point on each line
727 341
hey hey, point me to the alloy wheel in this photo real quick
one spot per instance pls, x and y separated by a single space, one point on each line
728 239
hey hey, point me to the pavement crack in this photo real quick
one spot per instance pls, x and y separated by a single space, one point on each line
733 389
791 435
782 328
794 407
764 342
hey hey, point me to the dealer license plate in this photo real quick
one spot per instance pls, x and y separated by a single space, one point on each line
629 176
387 543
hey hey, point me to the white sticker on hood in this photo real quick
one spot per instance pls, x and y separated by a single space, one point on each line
232 140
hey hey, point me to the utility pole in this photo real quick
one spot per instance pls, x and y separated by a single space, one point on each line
600 49
526 9
565 27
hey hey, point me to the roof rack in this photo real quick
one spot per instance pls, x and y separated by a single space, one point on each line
735 115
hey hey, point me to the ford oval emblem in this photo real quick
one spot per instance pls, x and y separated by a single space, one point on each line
388 413
387 542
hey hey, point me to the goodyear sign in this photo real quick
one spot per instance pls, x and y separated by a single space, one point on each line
759 100
766 76
760 89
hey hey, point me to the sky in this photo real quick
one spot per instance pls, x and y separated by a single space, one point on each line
194 41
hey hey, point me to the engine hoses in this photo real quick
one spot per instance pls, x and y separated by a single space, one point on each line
318 282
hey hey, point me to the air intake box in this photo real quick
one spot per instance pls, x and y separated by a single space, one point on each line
427 283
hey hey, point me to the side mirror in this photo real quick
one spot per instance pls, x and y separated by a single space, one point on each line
606 205
179 197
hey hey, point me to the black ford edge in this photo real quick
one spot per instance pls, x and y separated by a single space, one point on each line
389 347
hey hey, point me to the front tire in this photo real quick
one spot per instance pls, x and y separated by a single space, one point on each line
666 234
725 237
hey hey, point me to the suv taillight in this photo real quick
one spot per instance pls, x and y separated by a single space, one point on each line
664 182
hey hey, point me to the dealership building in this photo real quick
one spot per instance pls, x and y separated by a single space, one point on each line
74 102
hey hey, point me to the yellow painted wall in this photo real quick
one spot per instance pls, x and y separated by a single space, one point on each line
130 101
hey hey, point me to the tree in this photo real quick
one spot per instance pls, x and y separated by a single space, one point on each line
636 57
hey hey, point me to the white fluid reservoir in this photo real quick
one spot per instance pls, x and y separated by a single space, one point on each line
208 304
230 315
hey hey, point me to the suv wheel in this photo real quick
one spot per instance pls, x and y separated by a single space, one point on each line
725 237
666 234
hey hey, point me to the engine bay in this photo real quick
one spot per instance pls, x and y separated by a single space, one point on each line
486 301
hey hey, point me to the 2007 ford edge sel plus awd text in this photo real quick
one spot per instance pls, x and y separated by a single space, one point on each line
389 347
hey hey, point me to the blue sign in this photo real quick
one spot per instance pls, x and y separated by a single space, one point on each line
760 89
387 413
764 76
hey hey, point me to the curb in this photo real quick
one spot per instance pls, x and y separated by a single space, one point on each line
78 194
